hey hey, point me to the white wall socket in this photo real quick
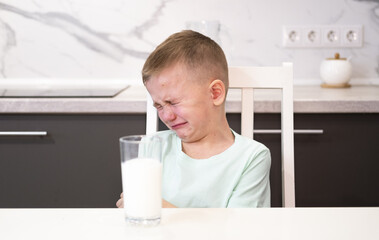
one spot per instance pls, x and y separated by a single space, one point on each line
311 37
292 36
322 36
351 36
330 36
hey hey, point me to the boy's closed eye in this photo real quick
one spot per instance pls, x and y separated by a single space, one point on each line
158 106
173 103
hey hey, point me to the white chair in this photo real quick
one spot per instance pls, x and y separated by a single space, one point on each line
250 78
151 116
247 79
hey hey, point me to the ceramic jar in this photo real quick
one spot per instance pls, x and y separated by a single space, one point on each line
336 72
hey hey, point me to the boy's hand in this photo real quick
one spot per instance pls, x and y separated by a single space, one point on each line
120 203
166 204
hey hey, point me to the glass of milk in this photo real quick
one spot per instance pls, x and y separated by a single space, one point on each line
141 170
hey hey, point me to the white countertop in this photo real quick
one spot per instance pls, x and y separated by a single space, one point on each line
61 87
264 223
307 99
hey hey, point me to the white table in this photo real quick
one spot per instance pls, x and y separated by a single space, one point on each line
274 223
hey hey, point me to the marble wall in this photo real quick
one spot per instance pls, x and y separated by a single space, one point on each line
111 38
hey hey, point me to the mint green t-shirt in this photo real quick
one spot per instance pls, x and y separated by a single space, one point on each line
237 177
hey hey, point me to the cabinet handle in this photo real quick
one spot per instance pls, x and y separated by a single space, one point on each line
23 133
296 131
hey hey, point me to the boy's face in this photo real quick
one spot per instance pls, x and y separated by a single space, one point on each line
184 104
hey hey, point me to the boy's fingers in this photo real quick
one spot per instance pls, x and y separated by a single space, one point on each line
120 203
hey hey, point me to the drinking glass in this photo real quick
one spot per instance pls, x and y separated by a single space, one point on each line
141 170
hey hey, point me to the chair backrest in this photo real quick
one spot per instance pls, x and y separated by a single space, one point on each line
281 77
247 79
151 116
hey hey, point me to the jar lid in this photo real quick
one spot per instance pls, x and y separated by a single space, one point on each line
336 57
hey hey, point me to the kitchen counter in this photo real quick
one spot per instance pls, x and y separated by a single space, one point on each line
307 99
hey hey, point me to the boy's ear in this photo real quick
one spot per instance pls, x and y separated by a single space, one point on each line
217 89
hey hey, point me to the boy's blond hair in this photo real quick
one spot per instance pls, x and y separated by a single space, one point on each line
199 53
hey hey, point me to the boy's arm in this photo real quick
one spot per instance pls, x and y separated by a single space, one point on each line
253 189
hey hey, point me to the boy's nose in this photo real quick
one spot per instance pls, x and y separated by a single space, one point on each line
167 115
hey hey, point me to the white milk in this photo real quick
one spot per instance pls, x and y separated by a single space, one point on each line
141 183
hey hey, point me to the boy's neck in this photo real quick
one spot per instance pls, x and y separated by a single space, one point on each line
212 144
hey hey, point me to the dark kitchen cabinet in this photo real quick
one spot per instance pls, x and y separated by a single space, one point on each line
78 165
339 168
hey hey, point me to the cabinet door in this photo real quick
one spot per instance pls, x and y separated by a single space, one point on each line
76 165
338 168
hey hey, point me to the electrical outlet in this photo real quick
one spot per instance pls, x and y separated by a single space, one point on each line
292 36
351 36
330 36
311 36
323 36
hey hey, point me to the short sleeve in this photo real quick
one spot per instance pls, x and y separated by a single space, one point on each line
253 187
